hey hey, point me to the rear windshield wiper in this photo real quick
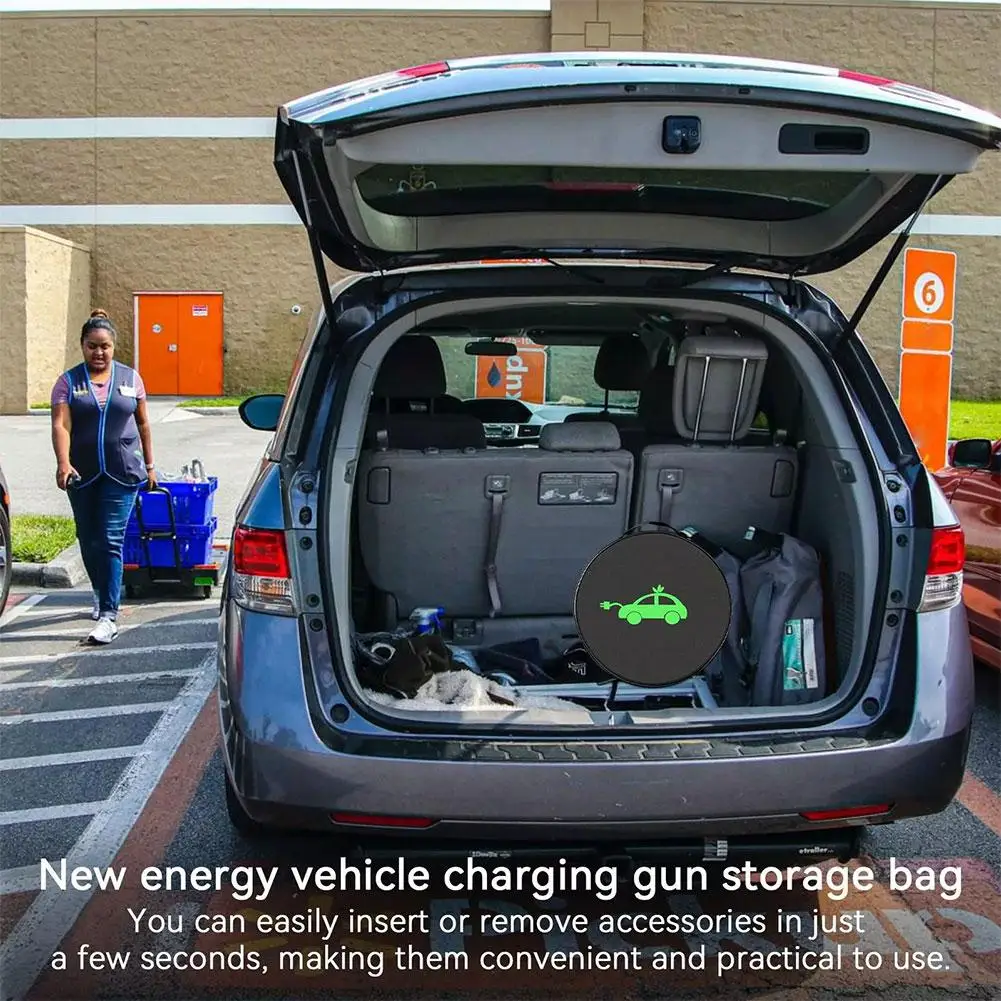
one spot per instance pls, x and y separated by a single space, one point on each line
679 280
571 270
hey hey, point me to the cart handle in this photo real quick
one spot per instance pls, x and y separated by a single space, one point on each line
144 535
170 507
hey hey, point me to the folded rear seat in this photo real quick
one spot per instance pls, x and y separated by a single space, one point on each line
715 481
433 522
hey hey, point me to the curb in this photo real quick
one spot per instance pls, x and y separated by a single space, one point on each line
209 411
66 570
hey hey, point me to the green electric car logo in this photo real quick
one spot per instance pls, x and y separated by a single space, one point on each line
658 604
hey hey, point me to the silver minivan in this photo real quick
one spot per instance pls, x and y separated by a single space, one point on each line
581 304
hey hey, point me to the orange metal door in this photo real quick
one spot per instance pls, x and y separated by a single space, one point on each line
158 351
199 320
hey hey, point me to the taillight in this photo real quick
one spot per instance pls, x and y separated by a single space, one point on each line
943 586
428 69
262 578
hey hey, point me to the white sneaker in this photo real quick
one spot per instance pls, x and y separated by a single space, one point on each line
95 613
105 631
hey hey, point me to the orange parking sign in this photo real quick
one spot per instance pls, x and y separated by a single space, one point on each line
521 376
926 339
925 388
925 335
929 285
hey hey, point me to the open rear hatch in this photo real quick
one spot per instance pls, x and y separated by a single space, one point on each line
769 166
729 163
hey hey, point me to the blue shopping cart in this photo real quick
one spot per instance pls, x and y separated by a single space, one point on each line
169 538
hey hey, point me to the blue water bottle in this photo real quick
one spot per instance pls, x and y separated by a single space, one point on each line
426 619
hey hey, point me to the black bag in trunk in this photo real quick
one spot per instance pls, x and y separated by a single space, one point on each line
727 671
784 598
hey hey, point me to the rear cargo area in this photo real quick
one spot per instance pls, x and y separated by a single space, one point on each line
475 511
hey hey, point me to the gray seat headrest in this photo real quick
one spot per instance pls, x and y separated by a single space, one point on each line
583 436
717 384
622 364
412 369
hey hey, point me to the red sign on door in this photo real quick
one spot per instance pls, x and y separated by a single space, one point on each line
521 376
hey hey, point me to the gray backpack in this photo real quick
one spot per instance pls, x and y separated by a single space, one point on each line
784 646
727 671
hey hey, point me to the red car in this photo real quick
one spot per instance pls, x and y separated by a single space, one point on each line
972 483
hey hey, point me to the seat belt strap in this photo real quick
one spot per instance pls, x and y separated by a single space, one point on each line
669 483
497 487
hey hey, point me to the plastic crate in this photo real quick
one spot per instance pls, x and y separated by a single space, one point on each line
193 505
194 543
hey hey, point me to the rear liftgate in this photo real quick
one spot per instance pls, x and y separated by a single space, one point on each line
791 170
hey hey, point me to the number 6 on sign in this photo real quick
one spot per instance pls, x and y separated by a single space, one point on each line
929 293
929 285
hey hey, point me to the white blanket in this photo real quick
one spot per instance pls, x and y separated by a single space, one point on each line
466 690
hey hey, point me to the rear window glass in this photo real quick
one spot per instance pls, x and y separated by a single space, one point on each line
457 189
558 374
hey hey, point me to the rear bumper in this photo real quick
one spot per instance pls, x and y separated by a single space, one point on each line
287 776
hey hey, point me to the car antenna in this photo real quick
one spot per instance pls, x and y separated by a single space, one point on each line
884 269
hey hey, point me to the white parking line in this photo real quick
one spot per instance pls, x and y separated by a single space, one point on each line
20 880
61 715
100 679
26 951
43 813
108 651
28 634
70 758
190 605
20 608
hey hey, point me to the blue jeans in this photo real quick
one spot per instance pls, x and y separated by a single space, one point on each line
102 511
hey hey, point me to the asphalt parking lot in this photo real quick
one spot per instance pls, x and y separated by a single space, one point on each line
227 447
109 756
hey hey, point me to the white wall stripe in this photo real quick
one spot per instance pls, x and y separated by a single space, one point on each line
100 679
43 813
285 215
333 6
293 6
137 128
98 712
69 758
148 215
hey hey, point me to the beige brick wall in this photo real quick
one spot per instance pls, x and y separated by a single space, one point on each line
262 270
57 286
13 360
44 299
190 65
954 51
